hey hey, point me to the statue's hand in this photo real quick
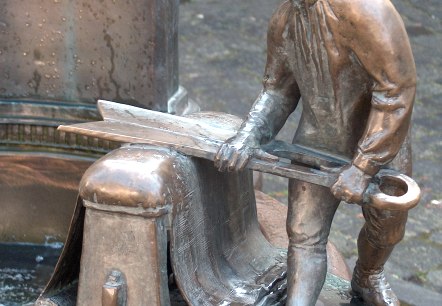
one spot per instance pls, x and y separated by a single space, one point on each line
351 185
236 152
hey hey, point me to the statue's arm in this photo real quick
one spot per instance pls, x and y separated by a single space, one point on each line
384 50
376 35
277 100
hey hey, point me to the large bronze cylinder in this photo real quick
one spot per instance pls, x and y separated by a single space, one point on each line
57 57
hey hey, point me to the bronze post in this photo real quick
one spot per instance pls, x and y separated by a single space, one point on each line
127 195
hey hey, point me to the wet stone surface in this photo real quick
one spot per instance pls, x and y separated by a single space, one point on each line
24 271
435 277
222 57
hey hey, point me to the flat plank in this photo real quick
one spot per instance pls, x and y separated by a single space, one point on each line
111 112
199 146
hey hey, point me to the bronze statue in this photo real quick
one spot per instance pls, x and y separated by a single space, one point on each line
356 78
351 65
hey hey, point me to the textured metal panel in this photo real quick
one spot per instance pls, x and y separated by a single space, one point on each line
84 50
219 254
38 195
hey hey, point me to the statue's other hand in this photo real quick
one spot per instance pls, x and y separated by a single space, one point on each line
351 185
236 152
233 156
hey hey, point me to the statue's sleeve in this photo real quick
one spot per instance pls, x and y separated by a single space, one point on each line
280 93
375 33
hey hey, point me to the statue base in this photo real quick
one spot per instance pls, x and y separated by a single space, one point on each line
139 199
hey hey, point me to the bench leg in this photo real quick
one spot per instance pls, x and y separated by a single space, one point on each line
132 245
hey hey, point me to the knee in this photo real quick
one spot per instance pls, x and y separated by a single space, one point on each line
306 235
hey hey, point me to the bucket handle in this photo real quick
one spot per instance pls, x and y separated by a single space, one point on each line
391 190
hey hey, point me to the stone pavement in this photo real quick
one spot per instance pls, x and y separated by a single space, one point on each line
222 56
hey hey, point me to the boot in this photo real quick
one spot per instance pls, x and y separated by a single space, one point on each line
372 287
369 282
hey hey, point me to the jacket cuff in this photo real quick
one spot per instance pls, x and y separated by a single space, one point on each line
365 164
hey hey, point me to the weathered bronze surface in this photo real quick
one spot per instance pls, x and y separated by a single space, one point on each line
198 135
272 217
218 252
38 195
42 167
389 190
56 59
350 63
338 55
79 51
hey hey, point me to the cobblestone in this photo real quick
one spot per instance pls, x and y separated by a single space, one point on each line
435 277
222 57
436 238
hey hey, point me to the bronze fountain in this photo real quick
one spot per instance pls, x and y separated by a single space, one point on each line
157 199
